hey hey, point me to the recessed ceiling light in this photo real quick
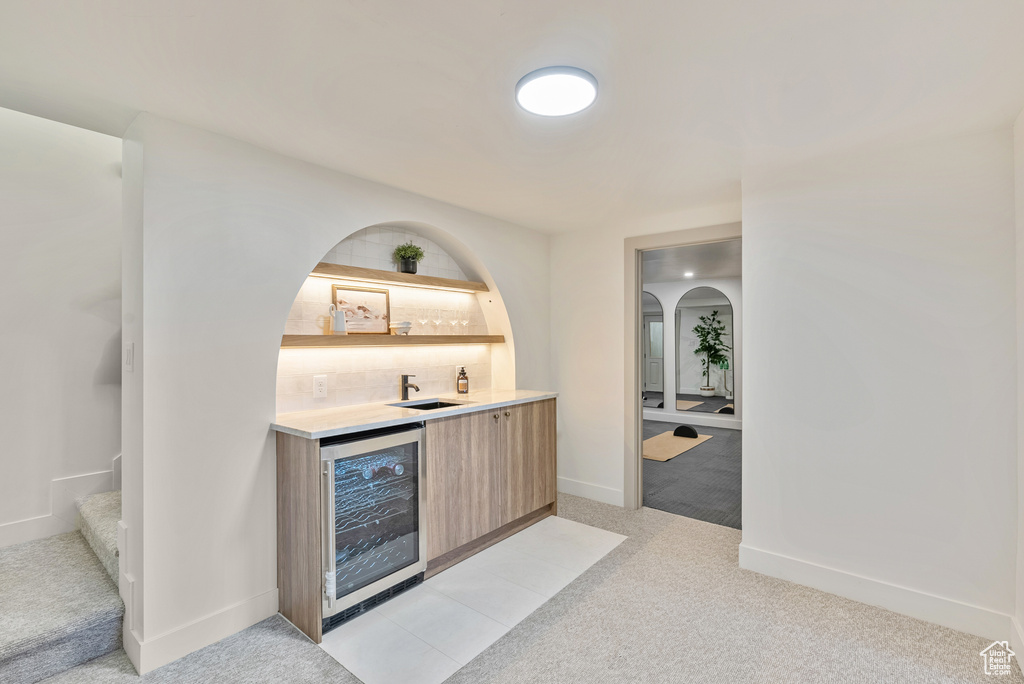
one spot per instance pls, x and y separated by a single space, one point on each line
556 91
688 274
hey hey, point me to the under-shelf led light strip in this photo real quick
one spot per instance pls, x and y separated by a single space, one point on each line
352 279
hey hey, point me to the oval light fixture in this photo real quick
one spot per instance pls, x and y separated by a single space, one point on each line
556 91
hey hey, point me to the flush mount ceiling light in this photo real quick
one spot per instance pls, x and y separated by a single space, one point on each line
556 91
688 274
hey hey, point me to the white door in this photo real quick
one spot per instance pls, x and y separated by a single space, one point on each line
654 336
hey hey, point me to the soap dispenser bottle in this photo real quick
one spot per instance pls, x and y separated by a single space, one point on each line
463 381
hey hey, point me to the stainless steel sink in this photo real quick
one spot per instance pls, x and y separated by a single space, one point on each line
428 404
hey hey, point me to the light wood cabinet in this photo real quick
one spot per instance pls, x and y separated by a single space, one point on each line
463 480
488 470
528 447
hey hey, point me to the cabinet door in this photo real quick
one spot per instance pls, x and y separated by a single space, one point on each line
528 436
463 482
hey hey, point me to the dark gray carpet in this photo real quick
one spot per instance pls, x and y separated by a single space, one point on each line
709 405
702 483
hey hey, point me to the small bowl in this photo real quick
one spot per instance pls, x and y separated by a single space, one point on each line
401 328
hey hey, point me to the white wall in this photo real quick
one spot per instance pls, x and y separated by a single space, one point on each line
60 250
588 348
1018 157
889 476
198 452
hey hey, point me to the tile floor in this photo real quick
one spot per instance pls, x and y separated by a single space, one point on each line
424 635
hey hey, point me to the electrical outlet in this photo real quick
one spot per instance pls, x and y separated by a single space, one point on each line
319 386
458 369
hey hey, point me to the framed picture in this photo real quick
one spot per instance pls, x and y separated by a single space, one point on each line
367 311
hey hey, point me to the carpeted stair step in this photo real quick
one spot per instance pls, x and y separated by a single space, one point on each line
59 608
97 519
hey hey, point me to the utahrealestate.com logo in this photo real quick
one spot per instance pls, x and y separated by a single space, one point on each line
997 659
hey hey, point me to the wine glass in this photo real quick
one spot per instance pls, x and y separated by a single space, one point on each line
453 318
437 319
422 317
464 316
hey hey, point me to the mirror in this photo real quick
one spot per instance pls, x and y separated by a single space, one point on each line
652 379
704 352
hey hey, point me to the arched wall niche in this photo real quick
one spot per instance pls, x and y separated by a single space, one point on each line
360 375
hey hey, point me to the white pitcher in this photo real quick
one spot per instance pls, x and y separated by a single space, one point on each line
337 321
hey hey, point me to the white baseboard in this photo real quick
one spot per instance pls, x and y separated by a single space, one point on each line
63 513
1017 638
32 528
130 643
168 647
590 491
964 617
116 469
66 490
694 418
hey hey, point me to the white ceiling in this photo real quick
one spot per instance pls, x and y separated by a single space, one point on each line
419 95
712 260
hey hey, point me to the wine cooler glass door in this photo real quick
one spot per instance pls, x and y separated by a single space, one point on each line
373 525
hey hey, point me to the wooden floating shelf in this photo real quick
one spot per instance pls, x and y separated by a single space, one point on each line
372 275
313 341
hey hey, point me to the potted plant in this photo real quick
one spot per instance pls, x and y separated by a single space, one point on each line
709 334
407 256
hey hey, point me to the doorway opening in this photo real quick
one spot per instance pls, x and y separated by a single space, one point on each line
690 384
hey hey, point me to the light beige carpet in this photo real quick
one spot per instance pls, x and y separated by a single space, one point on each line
682 405
671 605
667 446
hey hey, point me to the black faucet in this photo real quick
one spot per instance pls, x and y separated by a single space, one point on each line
406 385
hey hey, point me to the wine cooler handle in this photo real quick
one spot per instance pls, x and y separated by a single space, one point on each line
330 590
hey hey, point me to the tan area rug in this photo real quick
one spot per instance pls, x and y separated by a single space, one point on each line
725 407
667 446
682 405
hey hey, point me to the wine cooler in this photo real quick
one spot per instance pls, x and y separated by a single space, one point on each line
373 544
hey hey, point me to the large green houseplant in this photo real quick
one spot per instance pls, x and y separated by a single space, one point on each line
710 347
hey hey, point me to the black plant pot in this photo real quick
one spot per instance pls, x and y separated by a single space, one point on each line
407 266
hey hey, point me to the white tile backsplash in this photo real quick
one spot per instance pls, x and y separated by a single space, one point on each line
361 375
310 313
372 248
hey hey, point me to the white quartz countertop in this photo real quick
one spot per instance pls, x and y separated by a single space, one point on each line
342 420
